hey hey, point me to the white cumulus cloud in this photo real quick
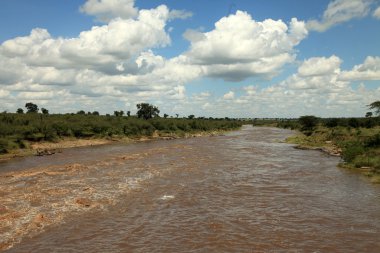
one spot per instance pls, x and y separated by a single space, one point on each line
340 11
105 10
317 73
319 93
240 47
106 65
229 95
318 66
369 70
99 48
376 13
114 66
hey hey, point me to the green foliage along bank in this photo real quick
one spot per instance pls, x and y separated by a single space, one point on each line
17 130
356 140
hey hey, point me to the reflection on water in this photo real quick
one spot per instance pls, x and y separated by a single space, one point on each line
244 192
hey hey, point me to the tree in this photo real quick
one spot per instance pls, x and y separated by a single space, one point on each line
129 113
81 112
166 116
20 111
308 122
191 116
147 111
375 106
333 122
32 108
368 114
353 122
118 113
95 113
44 111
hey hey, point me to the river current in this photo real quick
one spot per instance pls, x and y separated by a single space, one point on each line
246 191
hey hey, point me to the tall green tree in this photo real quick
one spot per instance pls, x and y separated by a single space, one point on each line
375 106
308 122
32 108
147 111
118 113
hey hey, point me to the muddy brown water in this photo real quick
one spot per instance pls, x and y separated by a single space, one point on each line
242 192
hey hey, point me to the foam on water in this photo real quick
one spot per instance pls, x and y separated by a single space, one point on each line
243 192
167 197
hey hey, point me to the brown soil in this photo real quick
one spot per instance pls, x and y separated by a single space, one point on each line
69 144
49 148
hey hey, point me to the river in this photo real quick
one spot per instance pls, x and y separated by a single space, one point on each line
246 191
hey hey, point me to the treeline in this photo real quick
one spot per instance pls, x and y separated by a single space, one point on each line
312 121
18 129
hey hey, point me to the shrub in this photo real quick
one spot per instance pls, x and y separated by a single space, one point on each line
308 123
330 123
367 160
3 146
373 142
351 150
353 122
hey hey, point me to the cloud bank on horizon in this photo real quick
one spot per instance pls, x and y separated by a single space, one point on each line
117 64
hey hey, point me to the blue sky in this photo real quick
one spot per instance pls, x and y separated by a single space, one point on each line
209 58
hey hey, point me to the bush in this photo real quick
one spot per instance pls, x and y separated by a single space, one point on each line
373 142
367 160
353 122
330 123
351 150
61 129
369 123
3 146
308 123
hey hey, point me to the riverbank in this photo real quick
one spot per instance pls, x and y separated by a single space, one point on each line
22 134
315 143
51 147
357 147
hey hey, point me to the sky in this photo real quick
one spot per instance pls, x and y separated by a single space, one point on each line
225 58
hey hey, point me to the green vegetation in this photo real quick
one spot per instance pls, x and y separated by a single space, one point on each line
308 124
375 106
18 130
356 140
32 108
147 111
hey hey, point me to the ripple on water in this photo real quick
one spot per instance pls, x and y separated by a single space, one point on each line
243 192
